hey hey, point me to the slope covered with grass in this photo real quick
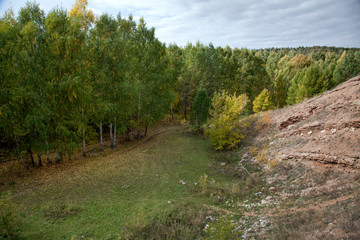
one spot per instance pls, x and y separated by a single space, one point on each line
151 191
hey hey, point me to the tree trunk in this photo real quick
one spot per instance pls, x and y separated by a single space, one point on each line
39 159
21 158
31 157
101 138
83 136
131 132
57 157
111 136
172 112
48 161
184 104
114 144
138 118
69 155
83 143
146 128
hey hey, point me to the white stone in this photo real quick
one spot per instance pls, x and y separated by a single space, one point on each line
310 132
323 131
333 130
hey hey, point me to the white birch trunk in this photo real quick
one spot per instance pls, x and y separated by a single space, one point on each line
83 136
111 136
57 157
18 147
131 132
101 138
138 118
48 161
114 144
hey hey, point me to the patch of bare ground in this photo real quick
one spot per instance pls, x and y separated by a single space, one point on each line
323 129
314 191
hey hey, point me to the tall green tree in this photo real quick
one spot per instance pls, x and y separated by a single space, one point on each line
200 109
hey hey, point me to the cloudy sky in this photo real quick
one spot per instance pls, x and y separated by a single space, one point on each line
237 23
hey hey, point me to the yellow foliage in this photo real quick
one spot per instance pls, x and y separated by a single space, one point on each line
263 122
183 122
81 12
264 156
226 123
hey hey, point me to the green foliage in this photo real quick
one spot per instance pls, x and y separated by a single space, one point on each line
226 124
222 229
64 73
203 183
262 102
200 108
347 67
9 216
307 83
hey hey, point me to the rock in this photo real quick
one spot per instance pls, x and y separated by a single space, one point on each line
222 164
333 130
272 189
268 198
310 132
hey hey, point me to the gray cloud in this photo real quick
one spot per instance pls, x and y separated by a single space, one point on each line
238 23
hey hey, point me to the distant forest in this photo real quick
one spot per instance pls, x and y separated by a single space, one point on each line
66 77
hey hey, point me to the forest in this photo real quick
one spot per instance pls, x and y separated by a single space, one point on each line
72 78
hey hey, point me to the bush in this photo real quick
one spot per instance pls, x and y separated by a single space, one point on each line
10 216
222 229
226 123
262 102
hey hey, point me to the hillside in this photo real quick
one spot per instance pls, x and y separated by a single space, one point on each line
315 188
323 129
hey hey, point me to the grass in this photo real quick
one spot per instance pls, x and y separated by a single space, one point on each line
136 194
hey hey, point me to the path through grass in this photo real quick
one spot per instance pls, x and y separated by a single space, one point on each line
104 196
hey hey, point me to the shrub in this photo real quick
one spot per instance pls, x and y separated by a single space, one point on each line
226 123
10 216
262 102
222 229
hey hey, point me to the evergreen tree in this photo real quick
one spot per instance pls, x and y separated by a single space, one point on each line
200 109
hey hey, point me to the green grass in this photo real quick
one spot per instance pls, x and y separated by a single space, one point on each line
105 196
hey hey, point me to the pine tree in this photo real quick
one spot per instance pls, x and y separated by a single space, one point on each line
200 109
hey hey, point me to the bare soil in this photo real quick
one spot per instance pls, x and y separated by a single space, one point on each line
315 188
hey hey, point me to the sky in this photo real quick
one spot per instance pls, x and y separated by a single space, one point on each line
252 24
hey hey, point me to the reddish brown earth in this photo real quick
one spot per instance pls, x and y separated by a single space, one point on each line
314 190
323 129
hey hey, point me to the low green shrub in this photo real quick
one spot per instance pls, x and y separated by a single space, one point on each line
9 217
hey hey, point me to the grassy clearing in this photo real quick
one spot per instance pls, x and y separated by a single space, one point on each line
150 192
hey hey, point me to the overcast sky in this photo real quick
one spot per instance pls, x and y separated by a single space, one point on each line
238 23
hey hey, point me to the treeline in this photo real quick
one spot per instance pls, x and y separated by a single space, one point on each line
66 75
289 74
